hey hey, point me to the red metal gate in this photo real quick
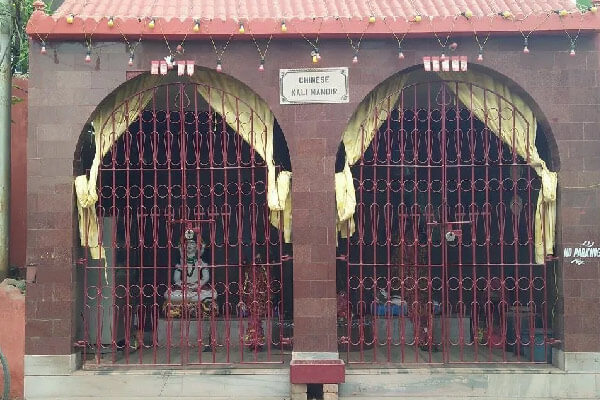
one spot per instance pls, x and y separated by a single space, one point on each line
180 175
441 268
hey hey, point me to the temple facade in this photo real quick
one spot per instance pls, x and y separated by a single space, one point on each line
313 200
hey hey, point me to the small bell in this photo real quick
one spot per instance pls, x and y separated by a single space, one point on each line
525 46
242 29
283 27
572 52
88 56
43 49
130 63
219 67
261 67
196 26
400 53
355 59
372 19
151 24
480 56
315 59
111 22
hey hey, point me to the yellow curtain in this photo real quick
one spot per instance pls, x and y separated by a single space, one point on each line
501 117
253 120
362 127
111 119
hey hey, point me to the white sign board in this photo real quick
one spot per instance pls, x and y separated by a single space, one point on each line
313 85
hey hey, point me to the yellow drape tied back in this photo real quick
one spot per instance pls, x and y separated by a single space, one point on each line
249 116
252 119
111 119
357 136
501 115
374 109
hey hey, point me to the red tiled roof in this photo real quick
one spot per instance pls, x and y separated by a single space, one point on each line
327 17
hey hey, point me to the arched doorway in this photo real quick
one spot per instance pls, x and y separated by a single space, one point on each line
443 260
186 250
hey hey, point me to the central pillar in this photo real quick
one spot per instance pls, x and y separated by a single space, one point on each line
313 140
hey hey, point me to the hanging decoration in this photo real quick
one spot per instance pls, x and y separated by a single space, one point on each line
481 43
355 46
398 39
221 52
573 38
262 53
314 54
131 47
88 54
88 43
171 59
444 44
528 34
370 18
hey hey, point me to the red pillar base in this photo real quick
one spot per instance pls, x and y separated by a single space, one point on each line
317 371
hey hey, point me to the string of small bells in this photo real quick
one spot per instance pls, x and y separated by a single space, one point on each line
315 54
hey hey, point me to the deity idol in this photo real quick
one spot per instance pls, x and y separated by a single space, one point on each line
190 280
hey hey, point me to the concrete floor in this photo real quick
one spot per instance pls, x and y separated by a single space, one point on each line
574 376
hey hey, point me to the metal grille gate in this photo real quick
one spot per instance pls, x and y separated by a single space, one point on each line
181 169
441 268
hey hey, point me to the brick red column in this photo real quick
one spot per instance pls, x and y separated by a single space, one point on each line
313 144
63 92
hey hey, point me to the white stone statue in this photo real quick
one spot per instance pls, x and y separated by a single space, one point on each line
192 274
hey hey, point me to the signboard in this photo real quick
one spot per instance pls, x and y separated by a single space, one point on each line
313 85
579 255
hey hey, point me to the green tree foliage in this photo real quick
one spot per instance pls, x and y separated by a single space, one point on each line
20 12
584 4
